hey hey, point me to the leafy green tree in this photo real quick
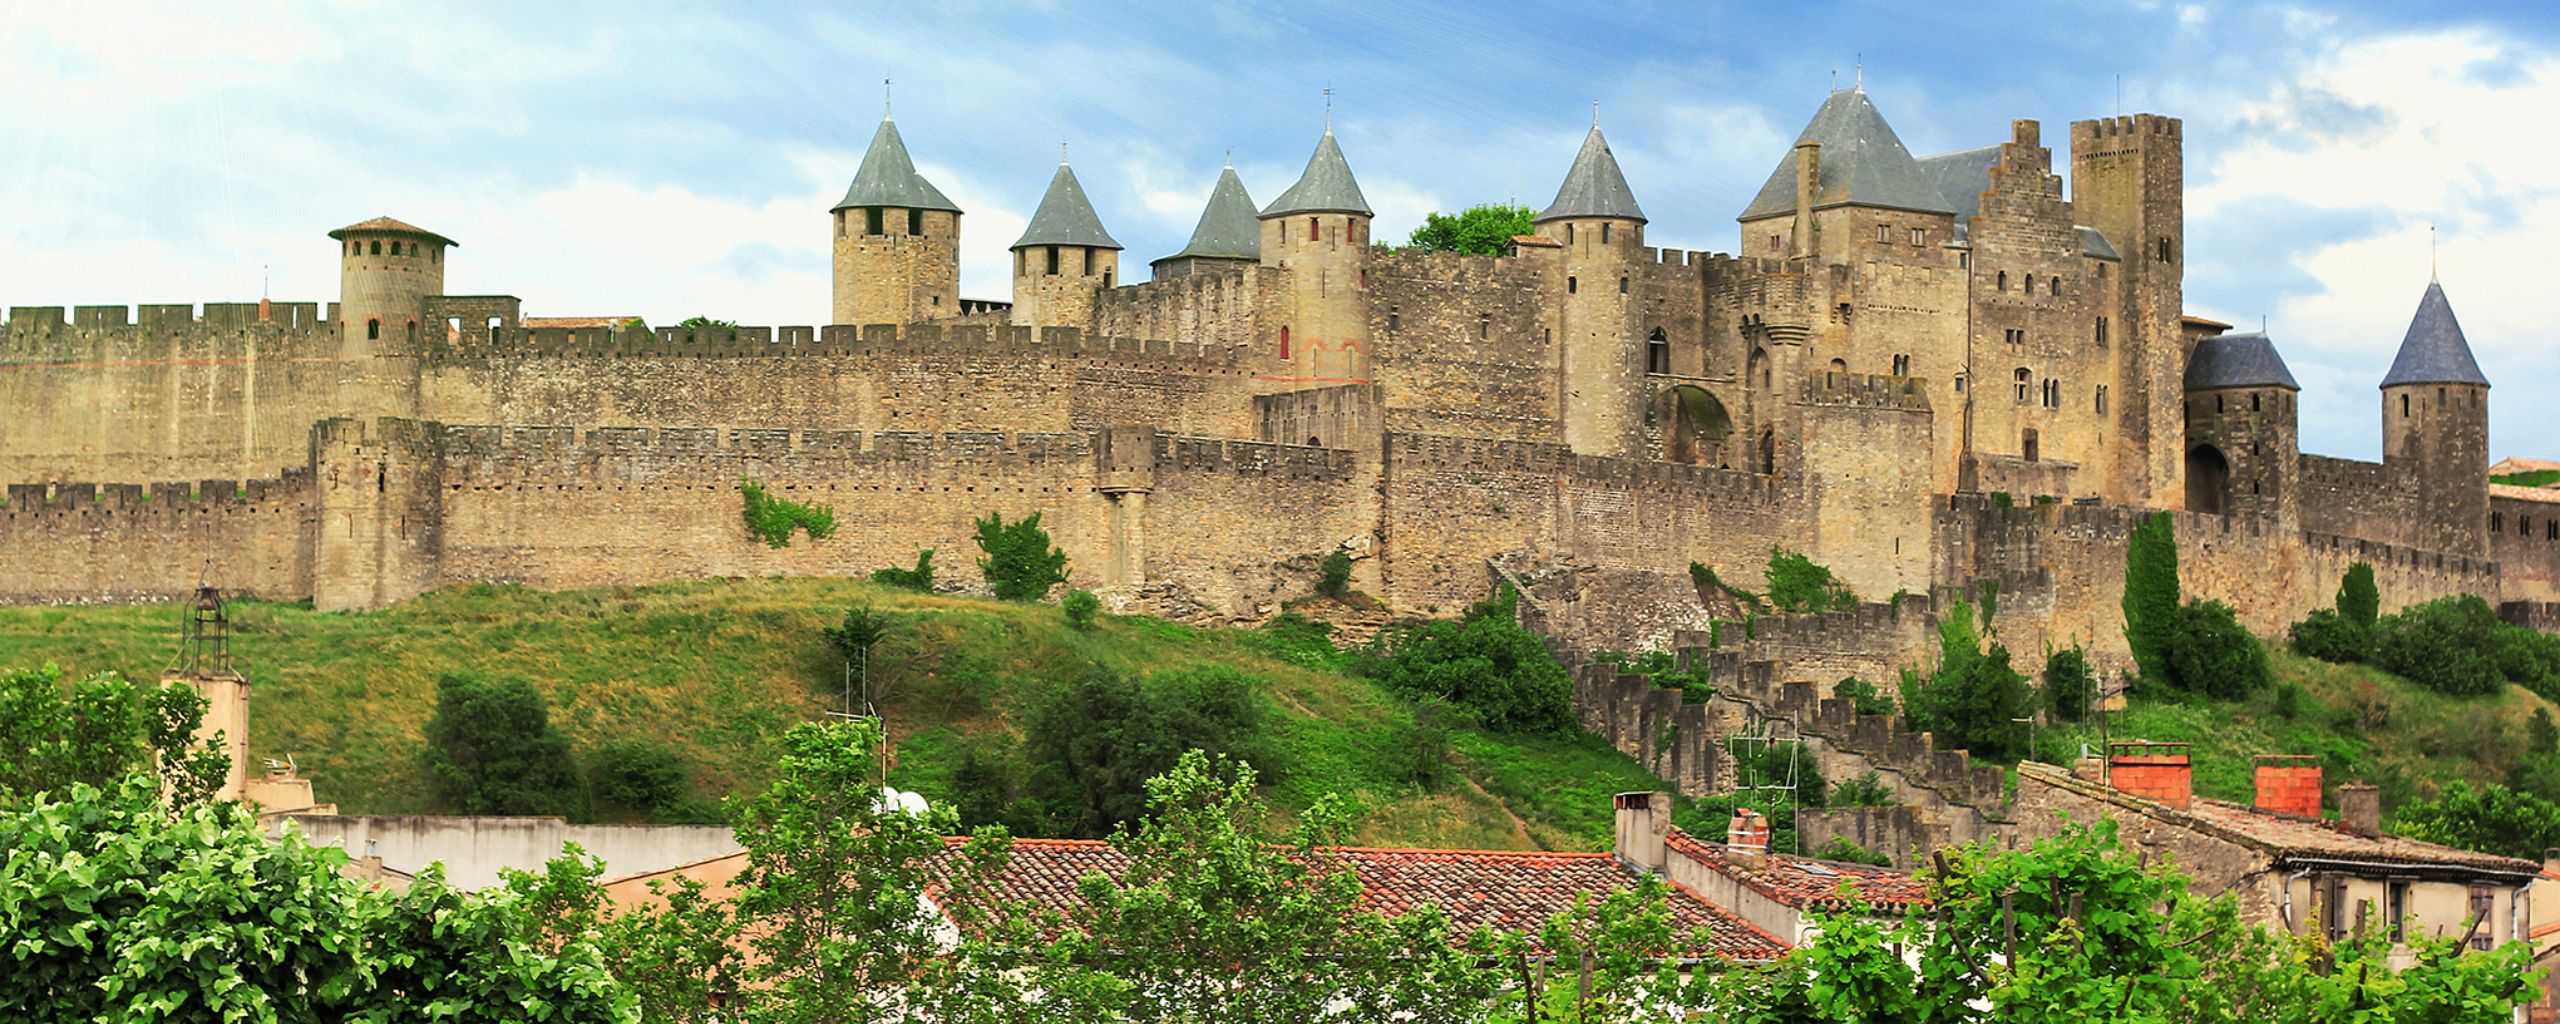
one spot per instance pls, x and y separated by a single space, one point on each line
1485 664
2329 636
696 323
646 777
1799 584
1483 230
2453 645
677 954
1017 558
1092 742
1869 699
492 749
98 730
1079 607
863 628
918 579
2151 594
2490 818
2069 688
2359 601
1973 699
1217 919
2212 654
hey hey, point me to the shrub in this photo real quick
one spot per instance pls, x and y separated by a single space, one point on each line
2069 689
2450 645
1297 639
2359 602
1869 700
1093 741
1974 699
1865 790
2289 698
1484 664
1841 848
648 778
2151 595
1333 575
492 749
919 579
2212 654
771 519
1080 606
1418 751
2330 636
1799 584
1019 562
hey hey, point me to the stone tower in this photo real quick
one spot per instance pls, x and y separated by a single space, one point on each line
386 272
2243 447
1228 233
1063 259
2435 429
1596 219
2128 182
897 241
1318 230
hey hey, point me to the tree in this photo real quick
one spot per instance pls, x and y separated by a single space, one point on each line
648 778
2489 818
2359 602
1483 230
771 519
1017 559
2212 654
1217 919
493 750
1484 663
2069 689
1092 742
677 953
1799 584
2151 594
864 628
696 323
2453 645
1974 699
100 729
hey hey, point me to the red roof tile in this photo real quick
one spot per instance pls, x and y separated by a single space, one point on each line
1476 888
2286 836
386 224
1536 241
1805 883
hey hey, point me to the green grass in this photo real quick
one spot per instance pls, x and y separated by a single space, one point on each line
2364 724
2536 478
720 669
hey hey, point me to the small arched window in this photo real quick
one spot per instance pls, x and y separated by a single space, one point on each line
2254 397
413 332
1622 286
1053 259
395 248
1902 366
2102 399
2404 407
871 224
377 247
1484 327
1657 352
2053 286
1311 229
2029 446
1284 343
1604 234
1568 234
373 330
2003 278
1839 366
2031 284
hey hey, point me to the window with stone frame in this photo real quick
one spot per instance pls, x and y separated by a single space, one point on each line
2023 379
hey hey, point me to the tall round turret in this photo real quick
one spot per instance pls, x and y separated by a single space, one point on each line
386 272
1064 258
897 241
2243 442
1596 220
2435 429
1318 230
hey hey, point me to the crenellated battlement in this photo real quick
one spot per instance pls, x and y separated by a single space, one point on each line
836 340
54 333
35 502
1867 390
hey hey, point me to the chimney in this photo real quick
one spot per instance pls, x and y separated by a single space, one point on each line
1643 820
1808 186
2289 784
2360 809
2153 771
1747 838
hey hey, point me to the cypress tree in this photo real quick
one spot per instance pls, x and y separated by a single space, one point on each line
2358 600
2151 595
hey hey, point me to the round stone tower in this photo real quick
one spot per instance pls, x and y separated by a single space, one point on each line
1318 230
1064 258
2243 446
2435 429
1596 219
386 272
897 241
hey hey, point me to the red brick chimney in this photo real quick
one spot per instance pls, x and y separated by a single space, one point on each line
2153 771
2289 784
1747 838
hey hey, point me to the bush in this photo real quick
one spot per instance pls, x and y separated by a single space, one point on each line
1418 751
1840 848
1333 577
492 749
2329 636
1799 584
1092 742
1298 640
1484 664
2490 819
2289 698
2212 654
1017 559
2450 645
1974 700
1080 606
771 519
2069 689
649 779
1870 701
2151 595
1865 790
919 579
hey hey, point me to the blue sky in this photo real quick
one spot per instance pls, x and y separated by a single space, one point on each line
673 159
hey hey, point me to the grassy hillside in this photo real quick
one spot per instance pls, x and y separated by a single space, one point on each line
2365 725
720 669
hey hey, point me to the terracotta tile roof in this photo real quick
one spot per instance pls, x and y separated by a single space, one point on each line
574 322
2551 493
2520 464
1806 883
1536 241
390 225
1477 888
2285 837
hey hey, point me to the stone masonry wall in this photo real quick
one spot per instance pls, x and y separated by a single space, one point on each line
79 543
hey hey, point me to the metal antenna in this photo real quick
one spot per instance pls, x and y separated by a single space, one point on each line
1062 154
1231 158
2431 255
1595 115
1328 108
885 98
1862 72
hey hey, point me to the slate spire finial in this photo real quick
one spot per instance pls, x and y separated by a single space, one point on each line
887 108
1328 108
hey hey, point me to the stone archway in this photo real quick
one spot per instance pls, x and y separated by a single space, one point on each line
1695 426
2208 480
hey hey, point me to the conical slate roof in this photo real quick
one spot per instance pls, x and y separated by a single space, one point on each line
1863 164
1594 187
386 225
1065 216
888 177
2237 361
1228 229
2434 351
1326 187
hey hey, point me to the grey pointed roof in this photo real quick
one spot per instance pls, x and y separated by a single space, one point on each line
1228 229
2434 351
1325 187
1594 187
1863 164
888 177
1065 216
1960 177
2237 361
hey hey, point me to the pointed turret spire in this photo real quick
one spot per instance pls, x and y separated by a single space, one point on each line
1863 164
1594 187
1325 187
2434 351
1227 229
1065 216
888 177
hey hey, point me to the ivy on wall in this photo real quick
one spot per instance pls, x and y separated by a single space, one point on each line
771 519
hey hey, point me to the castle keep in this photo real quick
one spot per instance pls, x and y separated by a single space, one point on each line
1922 371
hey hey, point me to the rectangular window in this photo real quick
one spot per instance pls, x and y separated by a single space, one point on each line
1053 259
1604 234
2397 906
2102 399
2333 907
871 220
1919 236
1311 229
2102 332
2484 905
1883 233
